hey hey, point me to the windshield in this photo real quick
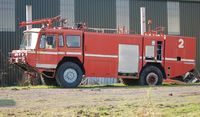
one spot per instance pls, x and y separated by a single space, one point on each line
29 41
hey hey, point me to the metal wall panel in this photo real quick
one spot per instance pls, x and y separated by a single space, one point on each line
96 13
173 14
122 14
101 81
190 23
156 10
7 13
67 11
9 75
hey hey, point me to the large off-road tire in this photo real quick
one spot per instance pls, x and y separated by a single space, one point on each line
48 81
130 82
69 75
151 76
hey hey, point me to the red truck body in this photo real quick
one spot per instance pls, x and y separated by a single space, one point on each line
125 56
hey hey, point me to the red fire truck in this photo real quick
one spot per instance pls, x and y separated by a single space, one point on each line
65 55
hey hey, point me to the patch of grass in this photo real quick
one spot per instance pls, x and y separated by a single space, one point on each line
30 87
190 110
179 85
183 110
120 85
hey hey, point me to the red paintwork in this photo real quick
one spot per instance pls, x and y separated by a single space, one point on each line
107 44
172 51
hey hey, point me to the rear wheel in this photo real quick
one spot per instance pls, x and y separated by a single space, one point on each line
69 75
151 76
130 82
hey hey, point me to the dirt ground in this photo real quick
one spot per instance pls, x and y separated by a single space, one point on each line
101 101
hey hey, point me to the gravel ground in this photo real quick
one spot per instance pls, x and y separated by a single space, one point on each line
112 101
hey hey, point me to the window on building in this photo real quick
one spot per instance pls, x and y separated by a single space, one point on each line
67 11
48 42
173 18
122 13
73 41
61 40
7 13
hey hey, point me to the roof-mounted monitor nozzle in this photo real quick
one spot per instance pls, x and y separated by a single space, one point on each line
47 21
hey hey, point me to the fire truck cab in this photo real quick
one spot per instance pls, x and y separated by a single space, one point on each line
65 55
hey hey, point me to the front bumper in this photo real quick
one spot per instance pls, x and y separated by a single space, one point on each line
18 58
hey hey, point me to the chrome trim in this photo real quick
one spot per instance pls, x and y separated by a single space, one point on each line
32 52
101 55
73 53
183 60
46 65
155 61
53 53
171 59
61 53
44 52
188 60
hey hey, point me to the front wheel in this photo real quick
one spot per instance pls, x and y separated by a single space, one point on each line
69 75
151 76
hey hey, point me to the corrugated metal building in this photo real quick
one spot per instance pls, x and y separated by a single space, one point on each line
181 17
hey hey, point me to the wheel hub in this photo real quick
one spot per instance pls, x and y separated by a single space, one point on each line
70 75
152 79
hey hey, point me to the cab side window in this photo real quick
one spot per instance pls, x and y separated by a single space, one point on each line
48 42
73 41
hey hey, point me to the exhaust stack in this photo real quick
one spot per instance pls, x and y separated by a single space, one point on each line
143 20
28 16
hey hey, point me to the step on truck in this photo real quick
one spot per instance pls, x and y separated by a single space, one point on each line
65 55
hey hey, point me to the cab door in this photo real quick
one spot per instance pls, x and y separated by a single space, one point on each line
74 44
47 51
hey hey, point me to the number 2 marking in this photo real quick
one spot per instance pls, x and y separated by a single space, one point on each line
181 43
